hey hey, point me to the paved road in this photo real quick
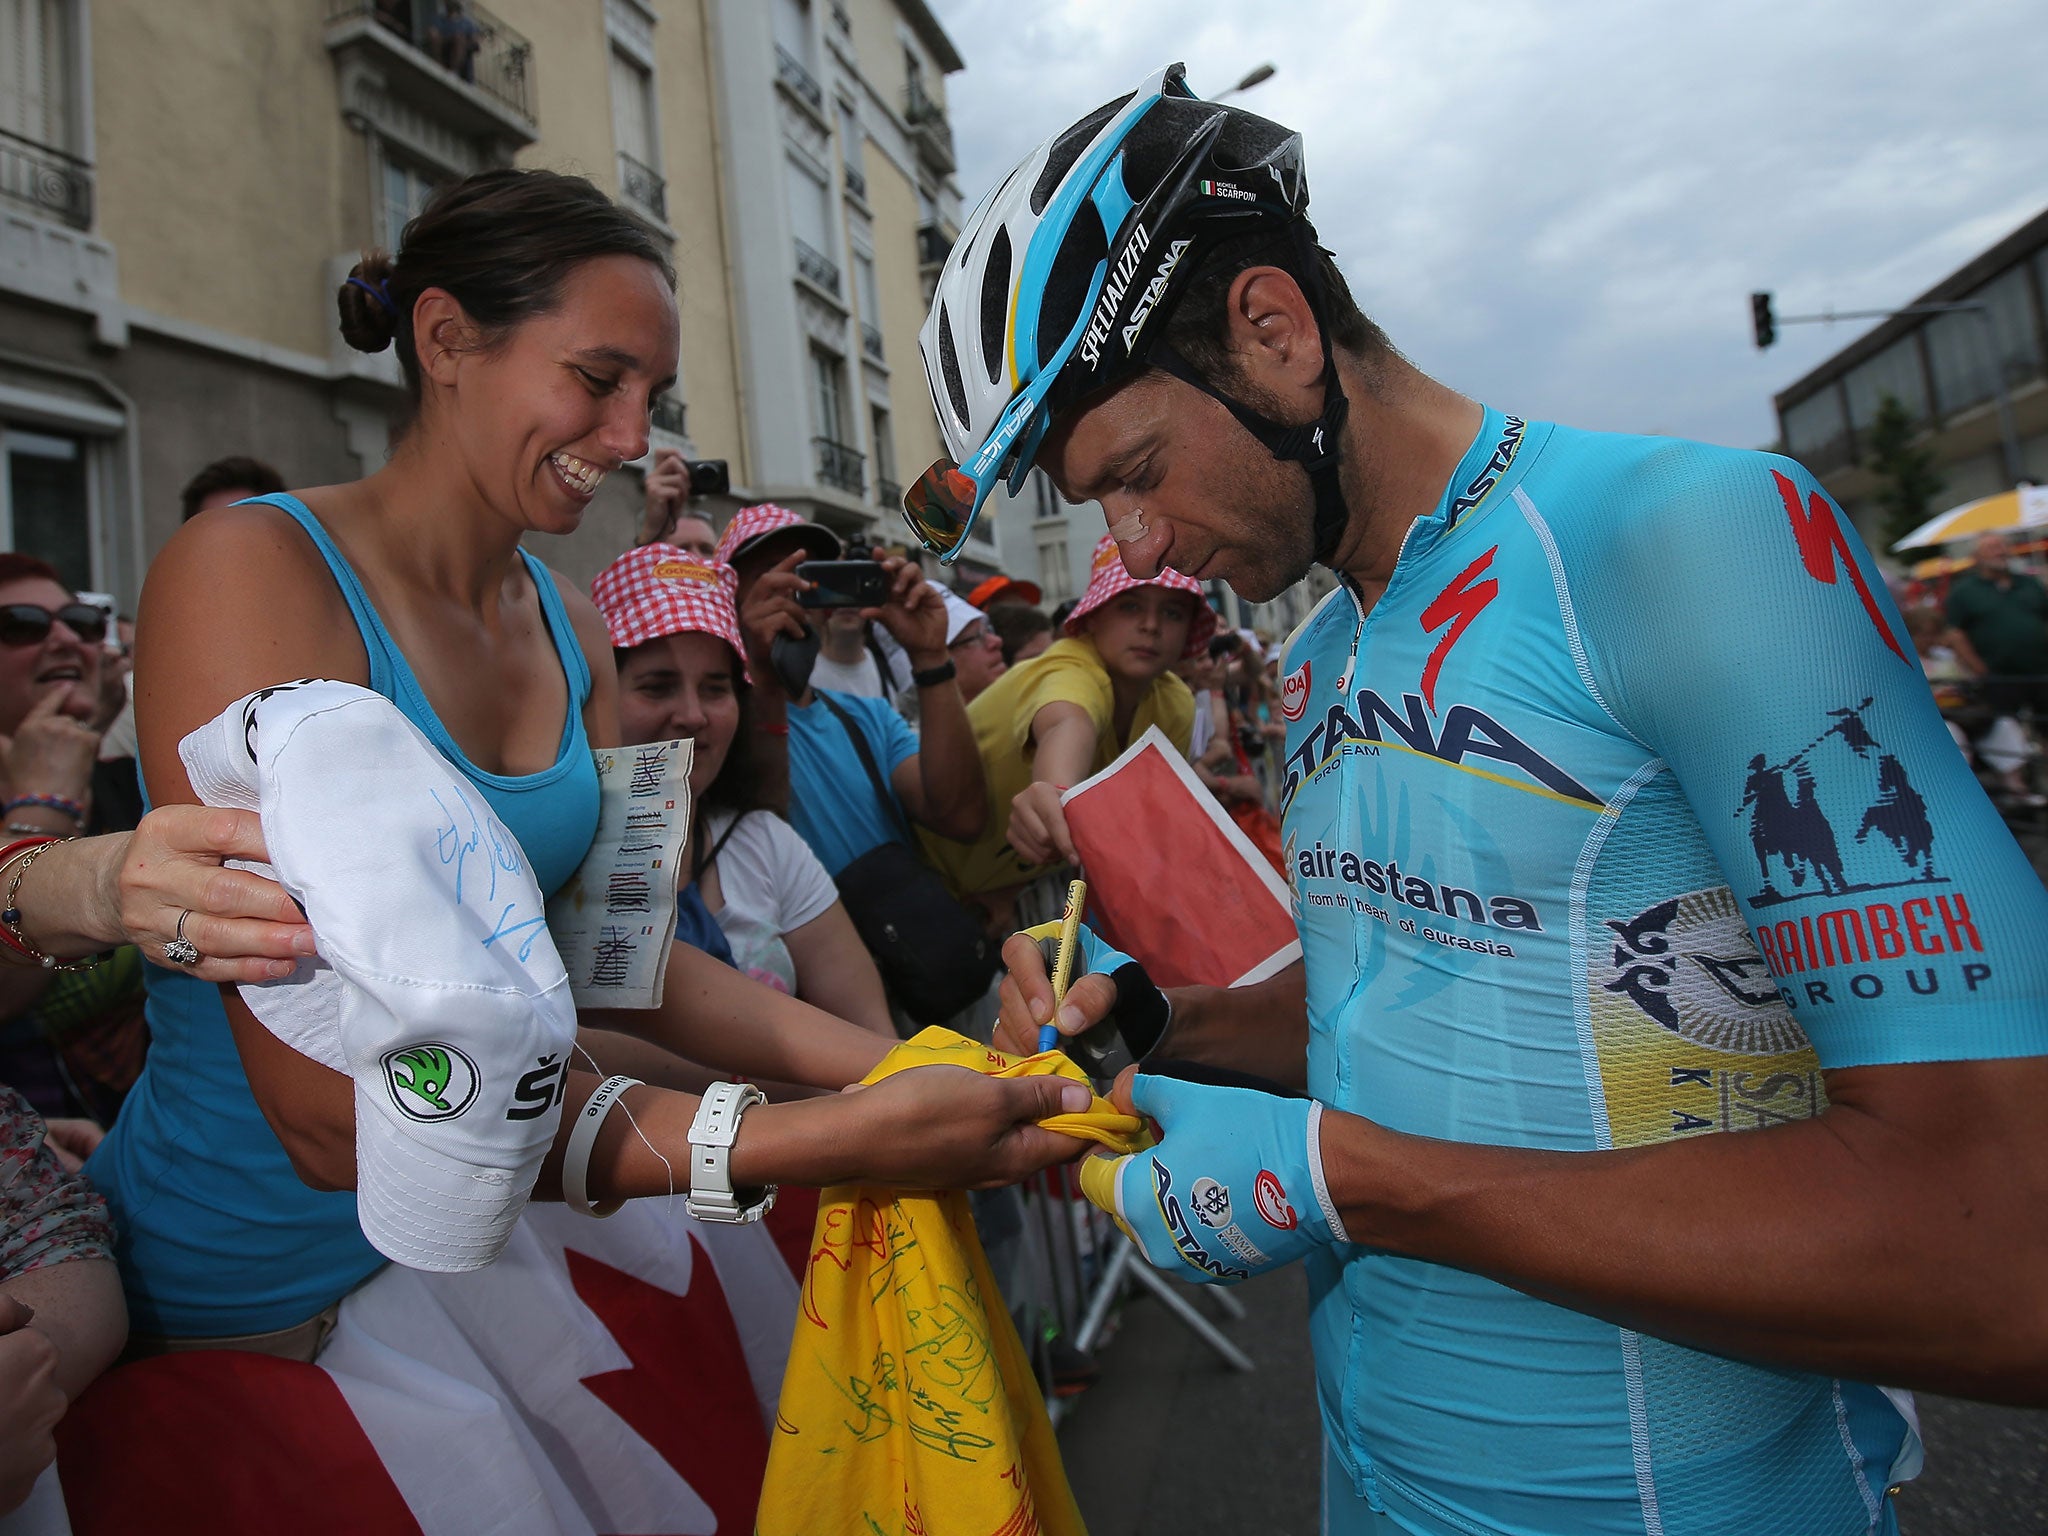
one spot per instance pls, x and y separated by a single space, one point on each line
1174 1443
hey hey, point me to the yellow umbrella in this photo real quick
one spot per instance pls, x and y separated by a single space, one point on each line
2026 507
1939 565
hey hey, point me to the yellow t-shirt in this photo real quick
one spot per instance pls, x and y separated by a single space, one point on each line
1069 672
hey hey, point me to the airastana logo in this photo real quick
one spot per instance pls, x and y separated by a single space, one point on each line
1294 693
1465 733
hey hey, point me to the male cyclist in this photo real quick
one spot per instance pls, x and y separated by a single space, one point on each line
1619 821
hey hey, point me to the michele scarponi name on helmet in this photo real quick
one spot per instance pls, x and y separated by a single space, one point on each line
1926 945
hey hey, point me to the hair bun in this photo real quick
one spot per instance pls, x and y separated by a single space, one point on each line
369 316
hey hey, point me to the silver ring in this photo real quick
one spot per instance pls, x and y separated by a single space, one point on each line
181 950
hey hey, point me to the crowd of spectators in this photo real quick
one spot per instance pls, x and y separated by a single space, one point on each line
1982 638
854 765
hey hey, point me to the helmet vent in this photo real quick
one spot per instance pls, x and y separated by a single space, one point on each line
995 304
949 368
1066 286
1069 147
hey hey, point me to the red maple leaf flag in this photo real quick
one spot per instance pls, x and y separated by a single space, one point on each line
600 1378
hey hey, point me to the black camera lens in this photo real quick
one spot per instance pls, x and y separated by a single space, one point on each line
709 477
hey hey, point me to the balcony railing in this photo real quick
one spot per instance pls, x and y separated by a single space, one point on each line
871 341
643 186
841 467
46 180
815 267
460 37
928 124
932 245
856 184
888 495
670 415
841 19
789 69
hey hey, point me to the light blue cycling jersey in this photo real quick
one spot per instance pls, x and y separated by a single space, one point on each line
1623 813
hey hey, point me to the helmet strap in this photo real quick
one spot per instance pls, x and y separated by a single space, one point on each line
1317 446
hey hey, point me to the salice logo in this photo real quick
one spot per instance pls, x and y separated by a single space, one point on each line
1294 693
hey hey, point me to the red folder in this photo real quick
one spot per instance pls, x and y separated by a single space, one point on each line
1172 882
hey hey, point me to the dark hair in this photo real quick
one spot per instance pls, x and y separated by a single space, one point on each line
1015 624
15 566
739 787
502 242
230 474
1199 327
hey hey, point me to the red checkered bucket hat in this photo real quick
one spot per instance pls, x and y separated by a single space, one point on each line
1107 578
660 590
750 525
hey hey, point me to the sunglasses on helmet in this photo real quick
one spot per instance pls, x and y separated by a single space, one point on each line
30 623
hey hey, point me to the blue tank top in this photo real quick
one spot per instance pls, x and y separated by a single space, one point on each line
217 1236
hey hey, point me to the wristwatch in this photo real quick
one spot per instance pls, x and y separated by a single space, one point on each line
712 1197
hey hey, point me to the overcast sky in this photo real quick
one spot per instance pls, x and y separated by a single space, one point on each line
1562 208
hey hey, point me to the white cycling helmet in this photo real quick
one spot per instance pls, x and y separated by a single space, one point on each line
1049 292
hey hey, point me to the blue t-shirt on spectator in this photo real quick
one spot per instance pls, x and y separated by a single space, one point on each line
833 804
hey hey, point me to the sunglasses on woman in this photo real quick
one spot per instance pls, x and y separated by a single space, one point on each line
29 623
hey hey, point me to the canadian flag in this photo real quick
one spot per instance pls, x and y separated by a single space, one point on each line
614 1377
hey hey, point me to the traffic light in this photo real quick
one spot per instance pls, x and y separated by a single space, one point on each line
1760 317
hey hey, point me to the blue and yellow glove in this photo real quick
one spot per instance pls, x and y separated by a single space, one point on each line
1234 1188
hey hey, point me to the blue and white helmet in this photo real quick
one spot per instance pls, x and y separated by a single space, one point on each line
1050 291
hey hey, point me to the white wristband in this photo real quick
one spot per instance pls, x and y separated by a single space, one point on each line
582 1138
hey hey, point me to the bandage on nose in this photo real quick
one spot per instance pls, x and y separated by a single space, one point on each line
1129 528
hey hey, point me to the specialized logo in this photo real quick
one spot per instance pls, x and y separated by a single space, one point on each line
1482 484
1210 1201
1271 1199
1185 1243
1465 732
1457 605
1818 529
1152 291
1226 189
1690 965
1294 693
1800 814
430 1082
540 1090
1113 290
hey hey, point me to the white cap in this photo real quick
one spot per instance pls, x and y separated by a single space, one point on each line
437 988
959 612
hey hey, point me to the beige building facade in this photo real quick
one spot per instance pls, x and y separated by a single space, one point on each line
183 184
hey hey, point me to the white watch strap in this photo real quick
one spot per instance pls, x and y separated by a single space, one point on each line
712 1132
582 1138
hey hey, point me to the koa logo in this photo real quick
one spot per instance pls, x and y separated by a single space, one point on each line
1294 693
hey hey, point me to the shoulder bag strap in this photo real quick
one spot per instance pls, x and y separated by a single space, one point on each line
867 761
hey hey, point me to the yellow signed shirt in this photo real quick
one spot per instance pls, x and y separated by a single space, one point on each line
909 1403
1069 672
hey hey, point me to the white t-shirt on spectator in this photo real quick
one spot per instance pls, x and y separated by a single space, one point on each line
771 884
863 678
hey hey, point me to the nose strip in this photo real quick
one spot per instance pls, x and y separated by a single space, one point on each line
1129 528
